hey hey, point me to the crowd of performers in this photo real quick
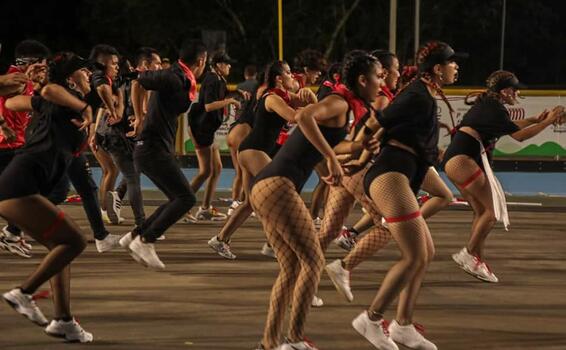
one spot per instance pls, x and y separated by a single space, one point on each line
370 132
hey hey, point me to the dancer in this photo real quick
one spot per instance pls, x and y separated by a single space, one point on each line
56 131
239 130
205 117
106 101
31 62
275 108
154 154
467 166
409 148
286 220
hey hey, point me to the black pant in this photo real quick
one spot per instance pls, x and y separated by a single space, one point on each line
161 167
79 174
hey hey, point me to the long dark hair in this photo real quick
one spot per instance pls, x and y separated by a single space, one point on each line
271 73
357 63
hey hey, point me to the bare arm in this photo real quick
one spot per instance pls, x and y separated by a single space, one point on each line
105 93
213 106
274 103
533 130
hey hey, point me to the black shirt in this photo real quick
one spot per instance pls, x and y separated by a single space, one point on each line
490 119
51 128
412 119
265 130
249 85
170 98
213 88
97 79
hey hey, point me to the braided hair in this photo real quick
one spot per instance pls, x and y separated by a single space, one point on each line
357 63
425 72
492 83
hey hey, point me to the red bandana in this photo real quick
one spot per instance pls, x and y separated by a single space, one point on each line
387 93
284 94
357 105
190 75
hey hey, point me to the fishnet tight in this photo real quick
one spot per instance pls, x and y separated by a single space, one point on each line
290 231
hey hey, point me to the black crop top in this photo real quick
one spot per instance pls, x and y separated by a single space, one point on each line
412 119
490 119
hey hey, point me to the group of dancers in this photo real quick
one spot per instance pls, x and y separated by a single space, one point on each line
371 132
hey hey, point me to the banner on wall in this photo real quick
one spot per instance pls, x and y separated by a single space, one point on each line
549 144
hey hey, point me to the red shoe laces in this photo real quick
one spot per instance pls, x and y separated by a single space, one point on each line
419 327
44 294
479 262
385 327
310 343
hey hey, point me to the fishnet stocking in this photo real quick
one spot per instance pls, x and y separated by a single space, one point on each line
441 196
290 230
394 198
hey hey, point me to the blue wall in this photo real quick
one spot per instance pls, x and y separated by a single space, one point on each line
528 184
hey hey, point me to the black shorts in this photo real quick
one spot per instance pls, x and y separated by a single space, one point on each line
32 173
465 144
6 156
395 159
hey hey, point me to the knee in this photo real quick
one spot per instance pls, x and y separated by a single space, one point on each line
489 217
418 261
188 200
431 252
205 172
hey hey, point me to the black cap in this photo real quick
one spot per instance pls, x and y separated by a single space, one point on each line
438 52
222 57
501 79
64 64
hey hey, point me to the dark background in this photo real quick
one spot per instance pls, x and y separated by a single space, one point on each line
534 47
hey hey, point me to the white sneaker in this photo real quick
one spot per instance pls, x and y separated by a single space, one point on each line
233 206
474 266
190 219
146 253
126 240
374 331
317 302
317 223
113 206
71 331
107 220
409 336
346 239
221 247
25 305
340 277
302 345
211 214
14 244
267 250
108 243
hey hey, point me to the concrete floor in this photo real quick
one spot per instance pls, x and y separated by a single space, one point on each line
202 301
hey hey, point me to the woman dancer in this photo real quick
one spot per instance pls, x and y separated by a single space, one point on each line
466 164
205 118
106 100
274 110
285 218
409 148
56 131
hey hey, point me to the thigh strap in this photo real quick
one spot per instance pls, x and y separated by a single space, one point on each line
48 233
403 218
472 178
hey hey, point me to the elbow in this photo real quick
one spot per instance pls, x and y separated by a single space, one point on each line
47 91
299 117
